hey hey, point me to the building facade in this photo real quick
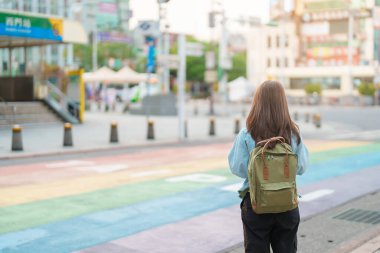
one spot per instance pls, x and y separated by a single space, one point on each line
107 15
326 42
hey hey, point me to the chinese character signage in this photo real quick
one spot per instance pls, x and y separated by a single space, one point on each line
24 26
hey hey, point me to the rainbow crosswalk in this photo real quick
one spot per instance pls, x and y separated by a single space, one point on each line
100 204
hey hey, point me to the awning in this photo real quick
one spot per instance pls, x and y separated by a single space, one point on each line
123 76
22 29
103 74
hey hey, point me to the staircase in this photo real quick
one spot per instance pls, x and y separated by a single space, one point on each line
36 112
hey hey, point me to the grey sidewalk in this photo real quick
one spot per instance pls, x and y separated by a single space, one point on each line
94 134
325 233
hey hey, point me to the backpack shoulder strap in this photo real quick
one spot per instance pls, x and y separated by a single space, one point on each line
265 143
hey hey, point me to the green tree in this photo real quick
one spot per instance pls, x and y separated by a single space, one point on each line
239 66
118 51
195 68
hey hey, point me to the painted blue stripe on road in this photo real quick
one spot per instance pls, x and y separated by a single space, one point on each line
338 167
14 240
88 230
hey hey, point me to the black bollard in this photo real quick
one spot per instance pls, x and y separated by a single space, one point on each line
237 126
185 128
114 137
212 127
67 135
317 120
307 117
150 135
16 138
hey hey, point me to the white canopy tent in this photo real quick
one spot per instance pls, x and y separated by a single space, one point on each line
103 74
240 89
123 76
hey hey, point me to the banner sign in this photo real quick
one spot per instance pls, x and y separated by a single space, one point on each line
113 37
151 54
24 26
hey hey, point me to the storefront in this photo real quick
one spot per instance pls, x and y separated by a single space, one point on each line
19 32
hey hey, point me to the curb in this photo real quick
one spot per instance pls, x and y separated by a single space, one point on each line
362 240
110 148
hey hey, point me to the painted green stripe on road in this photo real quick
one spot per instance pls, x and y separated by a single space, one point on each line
28 215
324 156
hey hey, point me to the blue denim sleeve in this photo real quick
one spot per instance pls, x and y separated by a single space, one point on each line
239 156
303 155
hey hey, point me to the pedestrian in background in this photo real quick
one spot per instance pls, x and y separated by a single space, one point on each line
269 117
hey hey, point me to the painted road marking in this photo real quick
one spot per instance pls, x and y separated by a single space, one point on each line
149 173
95 228
202 178
232 187
13 240
104 168
13 218
70 163
366 135
315 195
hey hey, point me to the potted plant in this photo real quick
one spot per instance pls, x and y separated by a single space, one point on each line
367 92
313 93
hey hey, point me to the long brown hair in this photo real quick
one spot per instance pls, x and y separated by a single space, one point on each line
269 115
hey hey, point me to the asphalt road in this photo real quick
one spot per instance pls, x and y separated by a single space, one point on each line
160 198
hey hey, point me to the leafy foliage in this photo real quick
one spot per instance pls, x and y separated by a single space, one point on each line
311 88
239 66
367 89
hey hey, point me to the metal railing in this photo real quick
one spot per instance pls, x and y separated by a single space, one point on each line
61 100
5 107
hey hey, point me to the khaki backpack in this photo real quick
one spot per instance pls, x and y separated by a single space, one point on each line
272 177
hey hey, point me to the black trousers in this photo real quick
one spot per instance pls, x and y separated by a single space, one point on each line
261 231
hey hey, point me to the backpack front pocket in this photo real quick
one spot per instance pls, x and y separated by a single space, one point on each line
277 194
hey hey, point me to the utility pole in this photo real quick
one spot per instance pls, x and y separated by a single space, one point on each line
350 47
94 37
223 61
181 85
163 49
166 65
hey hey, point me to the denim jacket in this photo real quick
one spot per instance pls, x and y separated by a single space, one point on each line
240 153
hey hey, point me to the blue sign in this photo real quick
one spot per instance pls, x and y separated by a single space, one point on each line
151 57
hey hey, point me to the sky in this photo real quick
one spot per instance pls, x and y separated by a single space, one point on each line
191 16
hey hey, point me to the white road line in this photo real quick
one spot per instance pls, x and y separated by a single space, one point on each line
149 173
105 168
315 195
232 187
201 178
358 135
70 163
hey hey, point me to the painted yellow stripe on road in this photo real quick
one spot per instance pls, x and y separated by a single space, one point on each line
320 146
34 192
29 193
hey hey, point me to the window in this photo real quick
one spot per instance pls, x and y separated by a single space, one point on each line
286 42
286 63
27 5
278 41
278 62
269 64
269 42
41 6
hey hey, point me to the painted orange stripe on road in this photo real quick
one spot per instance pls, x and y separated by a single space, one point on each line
320 146
29 193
